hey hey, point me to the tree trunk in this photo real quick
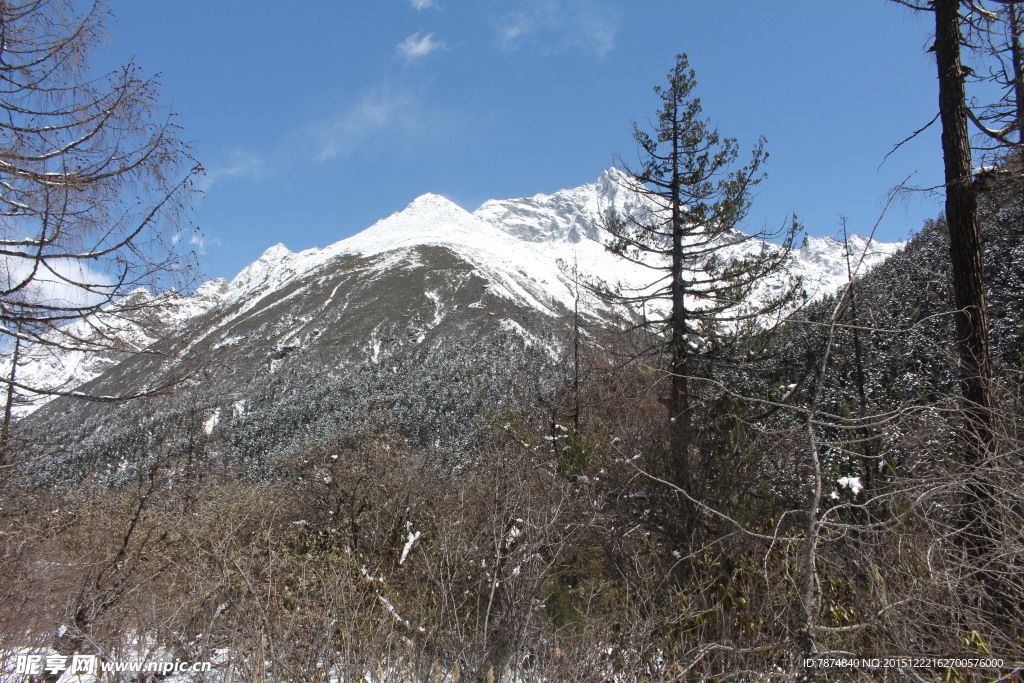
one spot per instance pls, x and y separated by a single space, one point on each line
679 403
679 426
964 233
978 444
864 434
5 429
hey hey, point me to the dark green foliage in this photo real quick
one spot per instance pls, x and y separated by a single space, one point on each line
706 283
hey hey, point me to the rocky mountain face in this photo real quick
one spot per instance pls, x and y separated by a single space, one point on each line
423 317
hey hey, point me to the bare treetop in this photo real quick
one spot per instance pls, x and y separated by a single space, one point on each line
94 176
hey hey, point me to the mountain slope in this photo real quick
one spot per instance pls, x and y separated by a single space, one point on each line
432 288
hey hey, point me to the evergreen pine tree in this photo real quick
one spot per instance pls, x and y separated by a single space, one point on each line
709 294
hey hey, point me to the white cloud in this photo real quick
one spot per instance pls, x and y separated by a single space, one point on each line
196 239
423 4
199 242
59 282
377 111
512 27
596 31
417 45
559 25
238 164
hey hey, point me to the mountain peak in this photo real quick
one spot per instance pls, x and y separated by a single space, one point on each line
430 218
275 253
614 175
431 207
431 199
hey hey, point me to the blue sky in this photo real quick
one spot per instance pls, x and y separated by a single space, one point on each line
316 118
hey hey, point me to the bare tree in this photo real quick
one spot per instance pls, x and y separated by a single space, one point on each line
93 175
962 218
994 35
978 438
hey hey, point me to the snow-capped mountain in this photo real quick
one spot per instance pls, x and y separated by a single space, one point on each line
529 248
87 348
417 282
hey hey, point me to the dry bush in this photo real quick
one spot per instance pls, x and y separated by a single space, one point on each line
544 556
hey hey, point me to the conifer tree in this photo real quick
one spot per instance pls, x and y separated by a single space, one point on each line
702 302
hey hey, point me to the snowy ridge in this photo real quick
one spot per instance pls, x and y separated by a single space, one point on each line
567 215
530 251
87 348
822 261
529 271
530 247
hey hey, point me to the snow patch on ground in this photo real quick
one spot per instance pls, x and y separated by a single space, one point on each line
211 422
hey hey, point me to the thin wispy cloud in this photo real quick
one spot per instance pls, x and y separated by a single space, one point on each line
237 164
558 25
423 4
195 239
382 110
417 46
